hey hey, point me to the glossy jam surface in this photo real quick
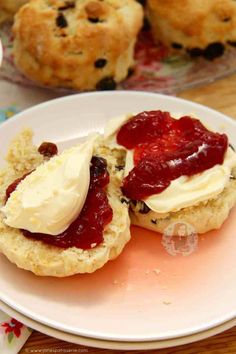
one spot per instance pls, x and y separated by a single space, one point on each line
165 149
87 230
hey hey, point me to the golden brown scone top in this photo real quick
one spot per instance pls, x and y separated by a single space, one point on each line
62 35
11 6
73 21
204 21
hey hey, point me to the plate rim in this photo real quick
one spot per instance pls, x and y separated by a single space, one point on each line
116 345
18 115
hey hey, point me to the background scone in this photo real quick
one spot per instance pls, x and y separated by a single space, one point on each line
47 260
8 8
200 27
12 6
80 44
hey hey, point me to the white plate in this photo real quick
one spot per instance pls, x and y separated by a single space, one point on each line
91 342
122 301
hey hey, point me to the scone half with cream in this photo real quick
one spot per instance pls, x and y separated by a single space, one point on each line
61 213
176 170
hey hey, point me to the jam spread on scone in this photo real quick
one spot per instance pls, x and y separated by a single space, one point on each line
165 149
86 231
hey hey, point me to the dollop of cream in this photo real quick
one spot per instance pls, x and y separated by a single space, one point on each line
52 196
188 191
184 191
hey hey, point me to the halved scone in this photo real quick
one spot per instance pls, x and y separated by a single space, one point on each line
48 260
176 170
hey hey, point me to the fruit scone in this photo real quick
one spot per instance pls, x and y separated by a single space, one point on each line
8 8
77 44
176 170
202 28
61 213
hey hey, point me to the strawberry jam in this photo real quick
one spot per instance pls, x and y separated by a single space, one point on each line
165 149
87 230
13 186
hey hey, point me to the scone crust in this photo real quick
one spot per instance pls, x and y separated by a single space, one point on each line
46 260
64 55
193 24
11 6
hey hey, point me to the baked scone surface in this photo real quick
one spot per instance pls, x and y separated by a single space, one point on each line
11 6
201 27
46 260
81 44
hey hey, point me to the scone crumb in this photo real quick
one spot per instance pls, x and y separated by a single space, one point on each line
167 302
156 271
115 282
147 272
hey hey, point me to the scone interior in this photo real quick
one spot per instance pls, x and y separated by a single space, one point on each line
203 200
82 44
46 260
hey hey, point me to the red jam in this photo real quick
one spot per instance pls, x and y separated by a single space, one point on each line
165 149
13 185
87 230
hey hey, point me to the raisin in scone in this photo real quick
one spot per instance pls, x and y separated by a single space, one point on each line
79 44
176 170
36 241
202 28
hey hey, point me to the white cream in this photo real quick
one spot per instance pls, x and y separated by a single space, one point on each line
184 191
51 197
188 191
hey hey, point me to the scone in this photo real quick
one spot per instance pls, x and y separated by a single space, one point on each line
8 8
202 28
12 6
176 170
80 44
96 236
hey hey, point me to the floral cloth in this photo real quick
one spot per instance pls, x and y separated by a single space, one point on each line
13 334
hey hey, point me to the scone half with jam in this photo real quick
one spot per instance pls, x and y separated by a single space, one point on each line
176 170
61 213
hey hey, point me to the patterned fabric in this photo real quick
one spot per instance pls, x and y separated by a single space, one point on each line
13 334
7 112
